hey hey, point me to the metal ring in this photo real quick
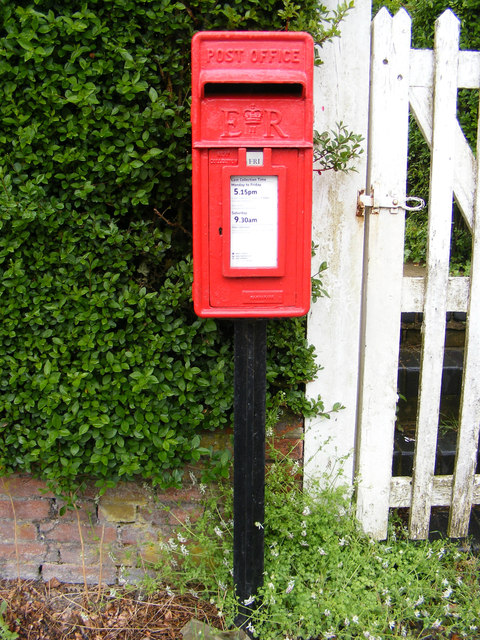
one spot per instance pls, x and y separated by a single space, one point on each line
419 207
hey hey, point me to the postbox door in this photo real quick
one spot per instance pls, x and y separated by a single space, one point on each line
256 246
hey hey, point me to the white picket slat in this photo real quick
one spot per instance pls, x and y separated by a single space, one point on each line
438 253
421 69
383 268
467 442
464 169
413 293
401 491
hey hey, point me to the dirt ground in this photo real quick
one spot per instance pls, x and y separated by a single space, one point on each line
54 611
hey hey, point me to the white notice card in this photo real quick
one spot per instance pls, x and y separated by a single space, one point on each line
254 222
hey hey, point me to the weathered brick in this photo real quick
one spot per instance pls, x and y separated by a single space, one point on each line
27 551
190 493
125 556
76 574
288 424
68 532
127 492
6 509
291 448
84 510
151 554
11 571
25 531
32 510
157 516
24 486
184 513
117 511
133 534
72 554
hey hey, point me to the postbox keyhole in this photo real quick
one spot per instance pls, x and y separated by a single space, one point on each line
220 231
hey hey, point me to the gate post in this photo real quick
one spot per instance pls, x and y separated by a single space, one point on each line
341 95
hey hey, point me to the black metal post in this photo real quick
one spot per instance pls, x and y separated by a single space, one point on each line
250 355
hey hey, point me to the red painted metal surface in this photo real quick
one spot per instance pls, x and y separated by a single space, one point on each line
252 129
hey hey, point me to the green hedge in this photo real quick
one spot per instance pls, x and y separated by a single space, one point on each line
104 369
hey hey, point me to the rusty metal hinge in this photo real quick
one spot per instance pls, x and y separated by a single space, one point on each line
391 202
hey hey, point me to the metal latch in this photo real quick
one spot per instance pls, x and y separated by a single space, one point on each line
391 202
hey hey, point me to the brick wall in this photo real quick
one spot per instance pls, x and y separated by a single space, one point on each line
110 539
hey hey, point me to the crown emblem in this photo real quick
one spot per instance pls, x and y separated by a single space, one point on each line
253 117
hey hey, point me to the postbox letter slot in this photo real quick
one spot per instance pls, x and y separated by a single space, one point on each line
266 89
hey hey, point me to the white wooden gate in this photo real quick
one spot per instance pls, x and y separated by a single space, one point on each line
426 82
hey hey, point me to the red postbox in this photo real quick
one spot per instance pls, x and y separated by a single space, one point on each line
252 130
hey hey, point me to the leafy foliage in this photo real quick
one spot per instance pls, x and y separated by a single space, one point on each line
104 369
324 578
337 150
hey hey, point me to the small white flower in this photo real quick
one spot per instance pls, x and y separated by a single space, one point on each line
342 542
321 551
203 489
271 585
355 619
169 591
290 586
259 525
417 613
249 600
458 580
219 532
436 624
473 627
173 545
346 622
327 612
447 593
420 601
391 624
445 582
184 550
220 614
441 553
251 628
180 538
295 468
313 596
306 511
388 601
